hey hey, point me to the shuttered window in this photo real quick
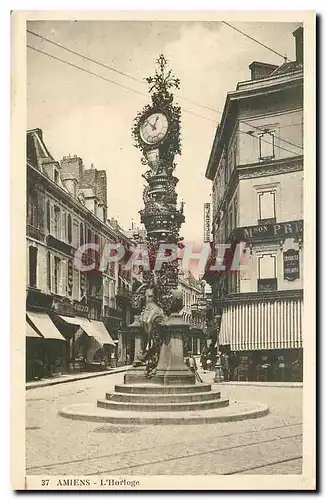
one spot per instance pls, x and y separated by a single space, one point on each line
33 266
69 229
63 277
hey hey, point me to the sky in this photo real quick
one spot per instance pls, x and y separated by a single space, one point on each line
84 115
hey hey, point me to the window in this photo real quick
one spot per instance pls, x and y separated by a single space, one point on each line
97 252
266 207
56 176
49 270
56 275
48 216
32 208
33 266
69 229
75 235
81 234
235 213
57 223
64 226
76 285
267 273
266 145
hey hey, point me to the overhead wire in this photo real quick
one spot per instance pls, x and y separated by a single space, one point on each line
141 81
142 93
256 41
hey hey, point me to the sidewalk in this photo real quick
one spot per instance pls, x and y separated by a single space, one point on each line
73 377
208 377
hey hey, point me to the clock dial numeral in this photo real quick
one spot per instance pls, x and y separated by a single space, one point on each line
154 128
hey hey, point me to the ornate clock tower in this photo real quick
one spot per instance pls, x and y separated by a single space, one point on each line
156 133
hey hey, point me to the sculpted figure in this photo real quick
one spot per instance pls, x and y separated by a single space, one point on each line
151 314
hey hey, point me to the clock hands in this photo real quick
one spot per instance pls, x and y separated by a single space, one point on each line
152 126
149 123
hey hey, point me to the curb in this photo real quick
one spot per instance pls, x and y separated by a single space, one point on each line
46 383
292 385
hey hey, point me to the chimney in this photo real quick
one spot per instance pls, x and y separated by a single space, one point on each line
70 183
73 165
261 70
298 35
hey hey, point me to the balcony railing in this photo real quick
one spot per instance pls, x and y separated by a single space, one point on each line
35 232
124 293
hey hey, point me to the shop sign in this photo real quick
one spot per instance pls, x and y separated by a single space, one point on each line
207 222
39 299
275 230
80 309
291 265
63 306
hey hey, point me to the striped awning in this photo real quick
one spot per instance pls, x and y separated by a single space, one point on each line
103 335
262 325
43 324
31 333
92 328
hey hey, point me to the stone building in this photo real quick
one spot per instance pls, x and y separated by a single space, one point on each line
194 310
256 169
86 310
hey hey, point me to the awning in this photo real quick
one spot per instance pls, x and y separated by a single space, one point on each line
84 323
103 335
30 332
262 325
45 325
92 328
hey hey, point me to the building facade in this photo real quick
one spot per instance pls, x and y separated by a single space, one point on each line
256 169
66 209
194 310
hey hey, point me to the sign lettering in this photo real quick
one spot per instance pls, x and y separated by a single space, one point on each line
207 222
291 264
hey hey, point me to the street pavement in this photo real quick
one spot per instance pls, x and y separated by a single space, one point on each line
60 446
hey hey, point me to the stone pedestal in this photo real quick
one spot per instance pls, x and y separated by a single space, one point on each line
171 368
136 375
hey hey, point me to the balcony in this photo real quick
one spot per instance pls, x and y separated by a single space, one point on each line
111 312
35 232
57 244
124 295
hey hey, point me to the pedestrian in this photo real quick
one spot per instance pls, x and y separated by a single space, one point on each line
203 359
225 361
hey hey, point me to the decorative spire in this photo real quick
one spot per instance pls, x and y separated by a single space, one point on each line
162 81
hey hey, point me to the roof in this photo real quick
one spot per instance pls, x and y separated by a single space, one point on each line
288 67
37 152
87 192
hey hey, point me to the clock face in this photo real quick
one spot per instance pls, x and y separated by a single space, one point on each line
154 128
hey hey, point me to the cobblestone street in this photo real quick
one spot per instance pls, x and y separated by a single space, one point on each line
267 445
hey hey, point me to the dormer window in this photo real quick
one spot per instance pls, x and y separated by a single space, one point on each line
56 176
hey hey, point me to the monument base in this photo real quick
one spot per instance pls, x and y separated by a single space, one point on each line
136 375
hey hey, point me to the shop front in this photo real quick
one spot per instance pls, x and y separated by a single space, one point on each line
90 343
46 352
60 338
263 337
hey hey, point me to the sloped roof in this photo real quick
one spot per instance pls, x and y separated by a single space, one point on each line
37 151
288 67
87 192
